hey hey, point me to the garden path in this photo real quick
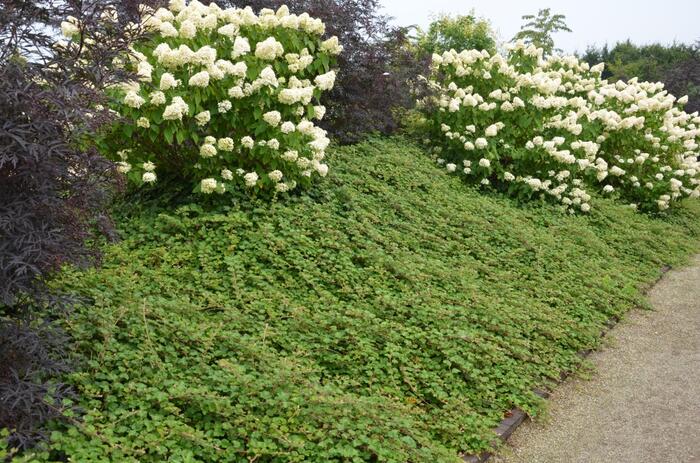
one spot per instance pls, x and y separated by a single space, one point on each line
642 401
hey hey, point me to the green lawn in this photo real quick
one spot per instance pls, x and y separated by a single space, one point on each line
393 315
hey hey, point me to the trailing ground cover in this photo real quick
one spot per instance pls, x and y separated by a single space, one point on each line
393 316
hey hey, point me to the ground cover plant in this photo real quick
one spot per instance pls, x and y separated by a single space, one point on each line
392 315
553 128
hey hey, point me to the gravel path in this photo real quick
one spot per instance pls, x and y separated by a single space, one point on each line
642 402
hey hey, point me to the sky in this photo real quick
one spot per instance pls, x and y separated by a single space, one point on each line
593 22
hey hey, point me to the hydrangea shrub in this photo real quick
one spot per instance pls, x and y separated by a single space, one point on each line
553 128
225 98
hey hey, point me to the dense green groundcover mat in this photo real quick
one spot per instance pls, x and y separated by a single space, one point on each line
392 316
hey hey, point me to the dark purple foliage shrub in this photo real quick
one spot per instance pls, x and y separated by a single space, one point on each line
54 186
29 356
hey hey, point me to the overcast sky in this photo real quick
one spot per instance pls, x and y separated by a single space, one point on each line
592 21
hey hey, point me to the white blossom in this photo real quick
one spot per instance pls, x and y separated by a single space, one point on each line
208 185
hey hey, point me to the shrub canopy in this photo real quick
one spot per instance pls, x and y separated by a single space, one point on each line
225 100
552 128
377 64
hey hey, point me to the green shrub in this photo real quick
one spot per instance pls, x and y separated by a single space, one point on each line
376 63
552 128
225 99
394 316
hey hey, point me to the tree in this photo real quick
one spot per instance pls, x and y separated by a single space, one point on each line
538 30
677 65
461 32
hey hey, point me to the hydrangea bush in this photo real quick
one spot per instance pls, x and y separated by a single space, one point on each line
225 98
553 128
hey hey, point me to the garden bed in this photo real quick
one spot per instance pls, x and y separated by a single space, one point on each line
395 314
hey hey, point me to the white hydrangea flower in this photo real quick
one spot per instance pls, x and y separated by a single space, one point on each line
168 81
123 167
268 77
200 79
144 71
133 100
236 92
483 162
319 112
325 81
203 118
148 177
188 29
207 150
269 49
176 5
248 142
157 98
451 167
225 144
273 143
143 122
481 143
69 27
290 155
332 46
226 174
241 47
275 175
251 179
229 30
322 169
208 185
148 166
288 127
224 106
491 131
206 56
167 29
273 118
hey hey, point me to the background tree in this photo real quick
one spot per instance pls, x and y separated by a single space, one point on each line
677 65
538 30
460 32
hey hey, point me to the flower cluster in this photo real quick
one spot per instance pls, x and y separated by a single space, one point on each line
225 98
553 128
